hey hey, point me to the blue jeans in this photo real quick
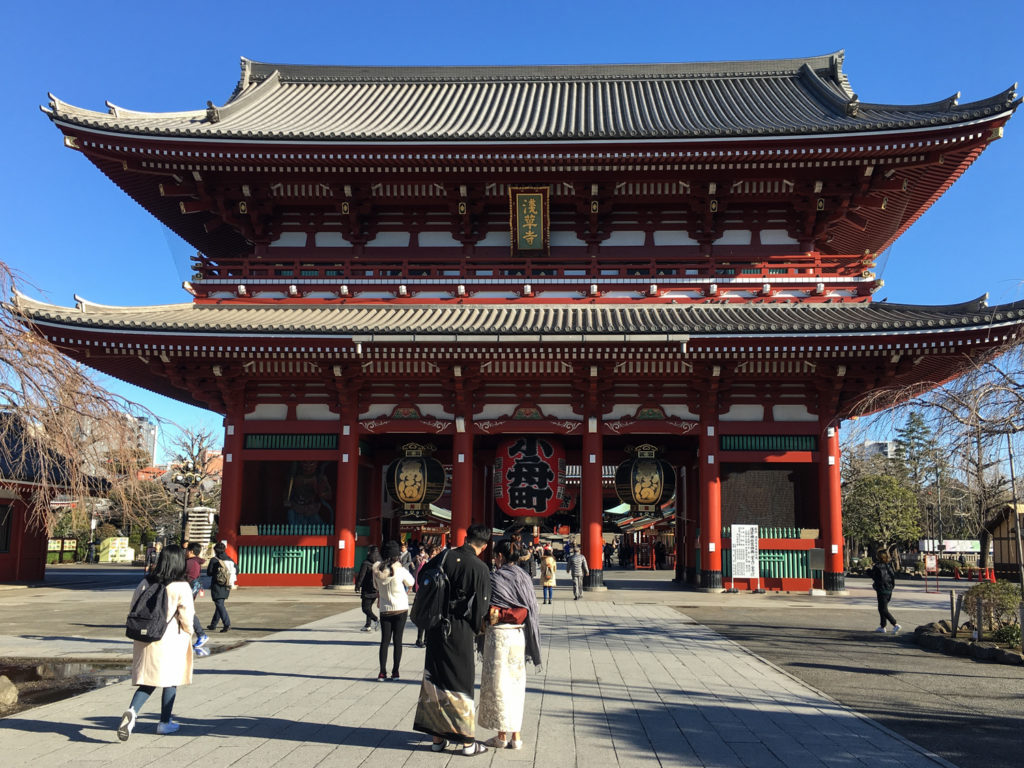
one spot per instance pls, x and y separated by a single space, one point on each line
166 700
548 592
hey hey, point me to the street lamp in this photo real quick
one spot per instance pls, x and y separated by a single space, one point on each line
187 477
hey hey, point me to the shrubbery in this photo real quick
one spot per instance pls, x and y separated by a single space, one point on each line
999 604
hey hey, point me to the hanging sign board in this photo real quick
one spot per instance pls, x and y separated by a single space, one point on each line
745 551
529 214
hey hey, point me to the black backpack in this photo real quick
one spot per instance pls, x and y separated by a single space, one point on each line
433 597
147 619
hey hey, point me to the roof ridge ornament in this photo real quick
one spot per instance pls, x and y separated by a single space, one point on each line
212 113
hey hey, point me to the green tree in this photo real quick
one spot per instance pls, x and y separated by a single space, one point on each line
880 509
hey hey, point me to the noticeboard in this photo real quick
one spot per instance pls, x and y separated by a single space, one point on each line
745 552
931 563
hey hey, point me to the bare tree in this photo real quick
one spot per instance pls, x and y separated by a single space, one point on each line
60 432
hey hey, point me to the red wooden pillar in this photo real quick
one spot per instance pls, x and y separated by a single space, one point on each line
682 509
375 500
710 509
463 478
692 523
346 500
831 510
231 486
592 501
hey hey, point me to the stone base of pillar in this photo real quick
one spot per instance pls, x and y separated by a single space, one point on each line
835 583
711 581
342 578
594 582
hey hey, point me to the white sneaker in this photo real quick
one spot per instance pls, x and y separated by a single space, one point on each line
896 628
880 629
124 730
169 727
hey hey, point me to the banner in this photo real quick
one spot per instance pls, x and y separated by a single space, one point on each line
529 215
745 552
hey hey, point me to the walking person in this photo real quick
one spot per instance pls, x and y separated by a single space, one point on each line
165 663
393 582
512 637
221 570
548 570
576 565
445 709
367 589
194 567
883 580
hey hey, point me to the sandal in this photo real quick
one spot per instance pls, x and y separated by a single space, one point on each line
515 744
476 748
439 746
496 742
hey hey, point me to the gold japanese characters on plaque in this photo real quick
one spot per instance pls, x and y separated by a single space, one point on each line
529 214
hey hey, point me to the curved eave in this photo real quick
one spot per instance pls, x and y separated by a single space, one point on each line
529 323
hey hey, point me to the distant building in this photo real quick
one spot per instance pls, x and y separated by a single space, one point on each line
148 430
886 448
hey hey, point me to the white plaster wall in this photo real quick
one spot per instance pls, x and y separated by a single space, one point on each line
673 237
438 240
290 239
744 413
268 412
331 240
680 412
776 237
390 240
625 237
492 411
565 239
502 238
378 409
735 237
792 413
315 412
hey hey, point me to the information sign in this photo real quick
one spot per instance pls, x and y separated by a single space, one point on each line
745 551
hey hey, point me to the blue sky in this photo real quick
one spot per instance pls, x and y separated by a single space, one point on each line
69 230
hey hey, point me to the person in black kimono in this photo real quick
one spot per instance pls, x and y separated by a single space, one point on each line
445 709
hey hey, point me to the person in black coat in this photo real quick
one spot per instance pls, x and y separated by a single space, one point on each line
883 580
220 592
367 589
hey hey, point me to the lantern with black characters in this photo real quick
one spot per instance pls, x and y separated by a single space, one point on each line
529 476
416 480
645 482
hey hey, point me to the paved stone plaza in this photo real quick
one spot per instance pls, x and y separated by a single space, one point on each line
625 683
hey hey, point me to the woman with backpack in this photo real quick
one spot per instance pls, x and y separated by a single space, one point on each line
393 583
167 661
367 590
548 567
883 580
221 570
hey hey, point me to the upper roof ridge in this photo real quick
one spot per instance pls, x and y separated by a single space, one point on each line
256 71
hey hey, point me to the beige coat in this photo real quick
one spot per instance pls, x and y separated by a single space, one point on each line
168 661
544 562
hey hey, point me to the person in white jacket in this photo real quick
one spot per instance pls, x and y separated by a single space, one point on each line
393 583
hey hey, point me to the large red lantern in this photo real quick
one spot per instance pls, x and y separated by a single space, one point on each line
529 475
417 479
645 482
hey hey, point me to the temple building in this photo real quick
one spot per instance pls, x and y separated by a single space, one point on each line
532 273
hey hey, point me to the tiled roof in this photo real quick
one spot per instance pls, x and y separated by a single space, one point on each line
789 97
525 322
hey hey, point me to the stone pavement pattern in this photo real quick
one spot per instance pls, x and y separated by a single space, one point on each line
623 684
